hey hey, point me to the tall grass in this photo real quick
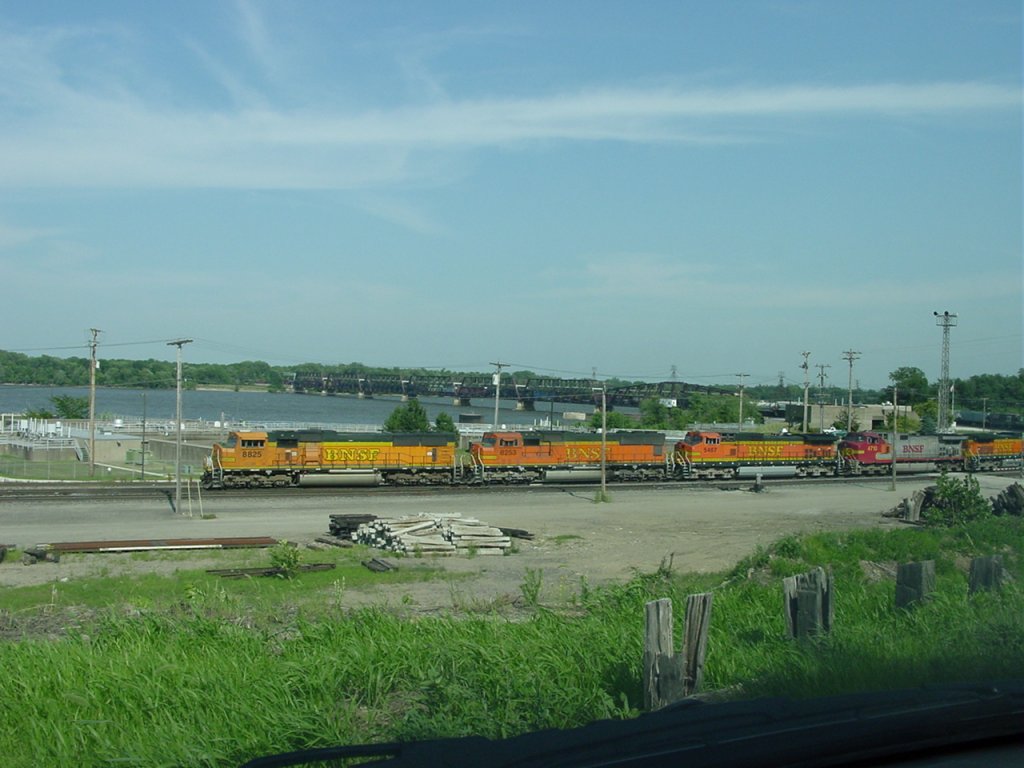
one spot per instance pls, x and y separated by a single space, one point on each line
207 683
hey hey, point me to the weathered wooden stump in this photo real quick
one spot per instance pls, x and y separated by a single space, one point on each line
668 677
915 582
986 574
808 603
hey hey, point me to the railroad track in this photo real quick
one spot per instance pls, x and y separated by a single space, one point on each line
22 492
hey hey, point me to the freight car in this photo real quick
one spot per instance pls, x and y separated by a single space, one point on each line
706 455
552 456
293 457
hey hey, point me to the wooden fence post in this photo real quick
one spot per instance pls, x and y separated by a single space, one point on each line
986 573
808 603
668 677
660 665
695 638
915 583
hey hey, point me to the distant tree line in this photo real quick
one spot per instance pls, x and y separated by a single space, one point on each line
990 391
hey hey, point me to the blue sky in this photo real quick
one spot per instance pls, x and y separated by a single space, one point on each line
569 186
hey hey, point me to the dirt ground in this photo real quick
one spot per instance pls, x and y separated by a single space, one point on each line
700 527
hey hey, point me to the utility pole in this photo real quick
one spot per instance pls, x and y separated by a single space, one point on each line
143 476
895 435
604 442
179 343
741 377
850 356
497 389
946 320
92 401
821 394
807 385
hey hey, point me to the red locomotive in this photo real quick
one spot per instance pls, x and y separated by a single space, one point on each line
871 453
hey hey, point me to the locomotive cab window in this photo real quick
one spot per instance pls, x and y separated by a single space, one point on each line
252 443
487 442
513 442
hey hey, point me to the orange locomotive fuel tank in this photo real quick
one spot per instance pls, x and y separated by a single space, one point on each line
555 456
288 457
711 454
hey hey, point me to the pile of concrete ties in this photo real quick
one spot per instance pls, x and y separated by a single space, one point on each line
434 535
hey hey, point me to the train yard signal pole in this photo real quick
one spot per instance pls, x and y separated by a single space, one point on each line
946 320
850 356
179 343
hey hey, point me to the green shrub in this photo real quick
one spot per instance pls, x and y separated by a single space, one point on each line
957 502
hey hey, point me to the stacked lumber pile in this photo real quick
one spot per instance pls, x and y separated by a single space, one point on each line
344 524
433 535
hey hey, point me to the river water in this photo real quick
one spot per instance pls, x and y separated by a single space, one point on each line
263 407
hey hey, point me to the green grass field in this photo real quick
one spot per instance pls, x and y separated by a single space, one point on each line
191 670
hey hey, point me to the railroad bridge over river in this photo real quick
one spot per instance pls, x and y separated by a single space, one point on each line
464 388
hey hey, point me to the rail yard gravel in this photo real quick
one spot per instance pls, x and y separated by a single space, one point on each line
701 528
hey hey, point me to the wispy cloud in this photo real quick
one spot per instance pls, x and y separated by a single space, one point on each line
14 237
83 131
404 214
696 284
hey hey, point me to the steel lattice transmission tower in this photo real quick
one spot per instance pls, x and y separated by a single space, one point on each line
946 320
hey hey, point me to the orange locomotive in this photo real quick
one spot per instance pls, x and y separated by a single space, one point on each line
526 457
288 457
709 455
990 451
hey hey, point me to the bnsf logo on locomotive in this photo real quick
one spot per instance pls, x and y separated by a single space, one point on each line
573 453
350 454
765 451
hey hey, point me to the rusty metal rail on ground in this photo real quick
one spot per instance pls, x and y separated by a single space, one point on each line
138 545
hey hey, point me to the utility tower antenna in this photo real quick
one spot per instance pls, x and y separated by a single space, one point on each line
946 320
850 355
807 385
92 400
